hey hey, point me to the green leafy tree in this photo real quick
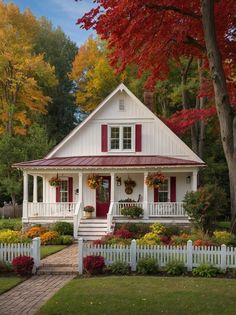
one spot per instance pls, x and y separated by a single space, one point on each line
205 206
59 51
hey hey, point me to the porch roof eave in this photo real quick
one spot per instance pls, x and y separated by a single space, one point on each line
134 168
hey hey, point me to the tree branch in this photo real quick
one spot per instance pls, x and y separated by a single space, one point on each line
174 9
192 41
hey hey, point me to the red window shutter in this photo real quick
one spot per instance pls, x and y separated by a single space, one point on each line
173 189
70 189
104 138
58 194
156 194
138 138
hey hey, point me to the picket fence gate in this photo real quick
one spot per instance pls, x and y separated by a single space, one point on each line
9 251
192 256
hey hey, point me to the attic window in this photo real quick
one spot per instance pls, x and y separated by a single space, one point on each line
121 105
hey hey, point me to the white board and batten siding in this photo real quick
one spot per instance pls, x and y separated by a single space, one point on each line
157 138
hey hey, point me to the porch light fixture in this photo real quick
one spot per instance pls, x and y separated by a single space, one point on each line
188 179
118 181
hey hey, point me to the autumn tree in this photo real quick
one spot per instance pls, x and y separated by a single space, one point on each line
149 33
94 76
20 71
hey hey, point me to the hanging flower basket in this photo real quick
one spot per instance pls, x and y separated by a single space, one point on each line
94 181
154 180
55 181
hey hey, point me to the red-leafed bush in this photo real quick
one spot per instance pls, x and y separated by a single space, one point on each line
23 265
94 264
124 233
165 239
98 242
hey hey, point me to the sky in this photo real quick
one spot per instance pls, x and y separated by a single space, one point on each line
63 13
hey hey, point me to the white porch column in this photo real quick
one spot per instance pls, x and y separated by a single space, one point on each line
80 187
112 197
25 195
35 189
194 181
44 188
145 197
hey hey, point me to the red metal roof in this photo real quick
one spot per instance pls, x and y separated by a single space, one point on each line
106 161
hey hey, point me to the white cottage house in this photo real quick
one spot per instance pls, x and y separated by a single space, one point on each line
120 140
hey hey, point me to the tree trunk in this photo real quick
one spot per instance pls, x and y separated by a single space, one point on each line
224 110
202 105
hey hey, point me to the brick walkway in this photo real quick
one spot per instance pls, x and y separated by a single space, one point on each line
29 296
67 256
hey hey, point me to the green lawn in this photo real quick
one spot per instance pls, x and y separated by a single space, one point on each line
50 249
6 283
137 295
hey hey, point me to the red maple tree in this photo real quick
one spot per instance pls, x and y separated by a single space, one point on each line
150 32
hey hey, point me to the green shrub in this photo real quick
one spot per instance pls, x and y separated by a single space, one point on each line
175 268
223 237
120 268
206 270
172 230
205 206
9 236
5 267
158 229
132 212
63 228
66 240
11 224
147 266
149 239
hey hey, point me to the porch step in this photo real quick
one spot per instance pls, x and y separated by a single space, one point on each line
92 229
57 270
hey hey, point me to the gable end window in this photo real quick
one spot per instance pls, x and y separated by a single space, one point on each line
121 138
121 105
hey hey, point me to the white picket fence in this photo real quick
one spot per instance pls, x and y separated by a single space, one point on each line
192 256
9 251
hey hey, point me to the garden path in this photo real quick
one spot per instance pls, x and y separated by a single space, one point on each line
30 295
55 271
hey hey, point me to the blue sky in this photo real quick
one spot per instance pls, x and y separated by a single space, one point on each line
63 13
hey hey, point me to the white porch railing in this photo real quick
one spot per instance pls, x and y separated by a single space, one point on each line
77 217
117 206
57 209
166 209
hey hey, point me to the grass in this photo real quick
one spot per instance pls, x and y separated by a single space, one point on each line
7 283
144 296
50 249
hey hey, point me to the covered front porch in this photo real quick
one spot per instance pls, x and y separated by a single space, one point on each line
66 202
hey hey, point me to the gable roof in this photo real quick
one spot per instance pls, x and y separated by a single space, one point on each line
121 87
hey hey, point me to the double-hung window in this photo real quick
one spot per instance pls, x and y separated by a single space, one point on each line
121 138
64 189
163 191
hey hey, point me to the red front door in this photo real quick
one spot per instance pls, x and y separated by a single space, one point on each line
103 197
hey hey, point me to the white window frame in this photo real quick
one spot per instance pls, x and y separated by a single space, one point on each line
168 192
64 191
121 138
